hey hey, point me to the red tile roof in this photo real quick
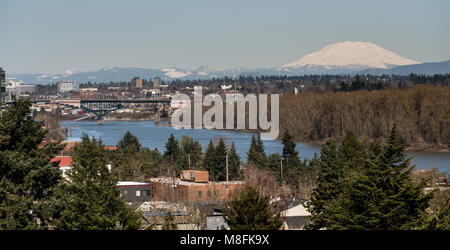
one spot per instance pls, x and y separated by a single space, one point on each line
111 148
64 161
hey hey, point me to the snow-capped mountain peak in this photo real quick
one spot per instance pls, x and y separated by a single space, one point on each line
351 55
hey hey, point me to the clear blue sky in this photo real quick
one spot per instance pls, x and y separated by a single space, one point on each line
51 36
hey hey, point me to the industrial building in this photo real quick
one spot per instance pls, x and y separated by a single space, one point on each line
193 186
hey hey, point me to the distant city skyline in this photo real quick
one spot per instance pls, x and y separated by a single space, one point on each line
55 36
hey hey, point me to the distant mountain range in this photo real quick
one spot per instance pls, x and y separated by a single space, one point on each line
423 68
338 58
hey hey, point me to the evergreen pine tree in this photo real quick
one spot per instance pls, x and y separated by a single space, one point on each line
379 194
288 146
293 169
209 161
328 177
172 149
129 160
129 143
151 162
256 154
219 170
351 153
251 211
234 163
259 145
192 153
91 200
27 178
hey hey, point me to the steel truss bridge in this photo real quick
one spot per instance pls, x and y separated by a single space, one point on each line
100 108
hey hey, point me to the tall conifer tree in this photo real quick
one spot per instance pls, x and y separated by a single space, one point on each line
251 211
91 200
27 178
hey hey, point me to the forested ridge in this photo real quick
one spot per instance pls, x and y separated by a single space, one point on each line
421 113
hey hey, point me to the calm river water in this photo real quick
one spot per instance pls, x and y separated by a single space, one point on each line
156 136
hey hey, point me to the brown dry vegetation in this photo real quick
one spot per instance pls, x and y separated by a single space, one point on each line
421 113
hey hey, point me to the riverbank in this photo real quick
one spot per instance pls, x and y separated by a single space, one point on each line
319 143
138 116
409 148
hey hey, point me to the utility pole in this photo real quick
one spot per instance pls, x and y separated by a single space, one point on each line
281 169
226 164
189 161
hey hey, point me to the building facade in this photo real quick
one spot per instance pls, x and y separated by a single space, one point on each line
132 191
67 86
17 89
193 186
137 82
157 82
2 88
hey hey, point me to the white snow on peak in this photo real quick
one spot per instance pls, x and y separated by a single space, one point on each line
173 73
351 54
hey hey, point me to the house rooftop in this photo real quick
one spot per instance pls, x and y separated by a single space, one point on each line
64 161
298 210
178 181
132 183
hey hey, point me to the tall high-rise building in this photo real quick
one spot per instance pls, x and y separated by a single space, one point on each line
2 88
137 82
156 82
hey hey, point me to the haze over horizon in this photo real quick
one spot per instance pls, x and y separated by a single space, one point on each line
52 37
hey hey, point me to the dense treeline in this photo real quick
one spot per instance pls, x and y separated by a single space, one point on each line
284 84
312 83
422 114
133 162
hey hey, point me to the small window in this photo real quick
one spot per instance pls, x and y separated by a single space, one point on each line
138 193
209 193
199 193
149 193
192 176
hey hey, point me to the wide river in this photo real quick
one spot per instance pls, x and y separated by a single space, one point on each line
156 136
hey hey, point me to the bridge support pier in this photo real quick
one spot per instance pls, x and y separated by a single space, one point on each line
100 122
157 116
